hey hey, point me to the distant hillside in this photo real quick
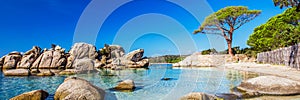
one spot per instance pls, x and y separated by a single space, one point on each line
167 59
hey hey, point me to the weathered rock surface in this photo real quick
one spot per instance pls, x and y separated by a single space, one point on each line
29 57
46 60
58 59
113 55
198 60
32 95
51 59
81 51
83 65
136 55
11 60
74 88
81 58
16 72
135 59
2 61
227 96
45 72
125 85
198 96
269 85
116 51
68 72
140 64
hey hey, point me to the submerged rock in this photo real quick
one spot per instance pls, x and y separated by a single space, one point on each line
16 72
198 96
32 95
269 85
125 85
74 88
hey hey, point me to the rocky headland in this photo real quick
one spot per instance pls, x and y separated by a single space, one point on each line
81 58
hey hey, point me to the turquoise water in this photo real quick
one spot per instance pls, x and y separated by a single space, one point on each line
12 86
148 82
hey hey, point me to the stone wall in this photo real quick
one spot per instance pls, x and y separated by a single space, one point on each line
288 56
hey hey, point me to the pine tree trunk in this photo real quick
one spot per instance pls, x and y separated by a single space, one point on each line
229 43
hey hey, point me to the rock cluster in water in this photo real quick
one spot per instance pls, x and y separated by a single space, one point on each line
81 58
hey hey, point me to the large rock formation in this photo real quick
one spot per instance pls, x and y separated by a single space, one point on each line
82 57
109 55
116 51
135 56
82 53
83 50
11 60
135 59
29 57
50 59
114 55
74 88
269 85
198 96
32 95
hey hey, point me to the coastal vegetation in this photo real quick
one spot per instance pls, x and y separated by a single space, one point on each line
167 59
225 21
279 31
235 50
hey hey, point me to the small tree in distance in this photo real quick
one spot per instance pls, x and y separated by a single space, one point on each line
225 21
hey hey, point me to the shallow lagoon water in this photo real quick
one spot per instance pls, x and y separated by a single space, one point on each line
12 86
149 82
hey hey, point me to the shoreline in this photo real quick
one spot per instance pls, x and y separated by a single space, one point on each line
275 70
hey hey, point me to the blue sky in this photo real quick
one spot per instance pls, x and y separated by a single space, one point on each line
25 23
